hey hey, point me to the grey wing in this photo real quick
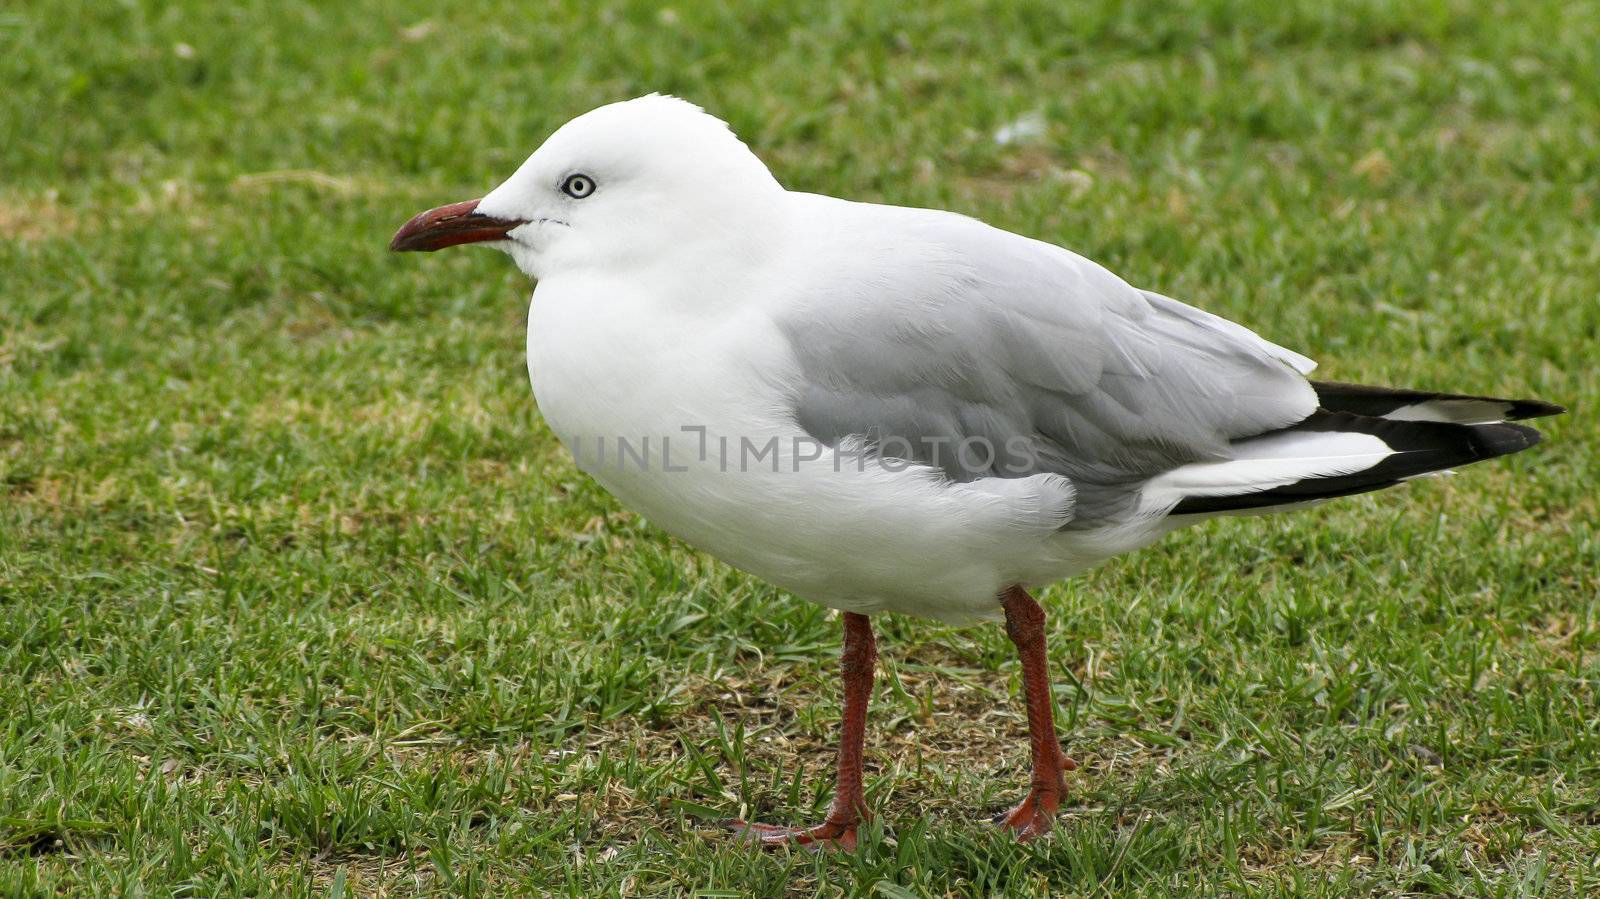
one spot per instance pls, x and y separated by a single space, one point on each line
989 355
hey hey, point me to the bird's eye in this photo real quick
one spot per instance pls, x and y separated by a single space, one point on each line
578 186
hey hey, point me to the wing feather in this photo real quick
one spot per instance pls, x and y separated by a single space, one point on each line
946 331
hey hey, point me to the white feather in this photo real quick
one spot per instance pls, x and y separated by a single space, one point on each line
1456 411
1273 461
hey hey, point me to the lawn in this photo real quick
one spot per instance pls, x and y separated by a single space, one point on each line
298 595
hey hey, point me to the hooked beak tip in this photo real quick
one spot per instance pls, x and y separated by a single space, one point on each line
448 226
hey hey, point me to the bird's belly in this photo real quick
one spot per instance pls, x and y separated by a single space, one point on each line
731 486
864 541
856 547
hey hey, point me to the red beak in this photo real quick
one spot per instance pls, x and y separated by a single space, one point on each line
448 226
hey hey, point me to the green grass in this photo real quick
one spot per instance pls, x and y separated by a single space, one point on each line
299 596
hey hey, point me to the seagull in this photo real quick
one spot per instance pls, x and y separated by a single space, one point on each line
888 409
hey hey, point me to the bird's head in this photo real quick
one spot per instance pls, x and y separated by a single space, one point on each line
626 185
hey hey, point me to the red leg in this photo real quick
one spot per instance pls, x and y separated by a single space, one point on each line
1033 816
838 829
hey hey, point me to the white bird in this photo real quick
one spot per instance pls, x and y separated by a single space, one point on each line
890 409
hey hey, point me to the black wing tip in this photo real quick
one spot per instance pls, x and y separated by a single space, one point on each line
1376 401
1521 409
1505 439
1420 447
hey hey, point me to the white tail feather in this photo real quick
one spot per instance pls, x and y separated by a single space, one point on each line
1275 460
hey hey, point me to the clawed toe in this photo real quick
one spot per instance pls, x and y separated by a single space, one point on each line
828 835
1033 816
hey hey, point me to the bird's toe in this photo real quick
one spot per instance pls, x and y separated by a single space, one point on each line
1032 817
829 835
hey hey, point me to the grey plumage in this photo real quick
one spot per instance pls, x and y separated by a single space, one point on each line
978 335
